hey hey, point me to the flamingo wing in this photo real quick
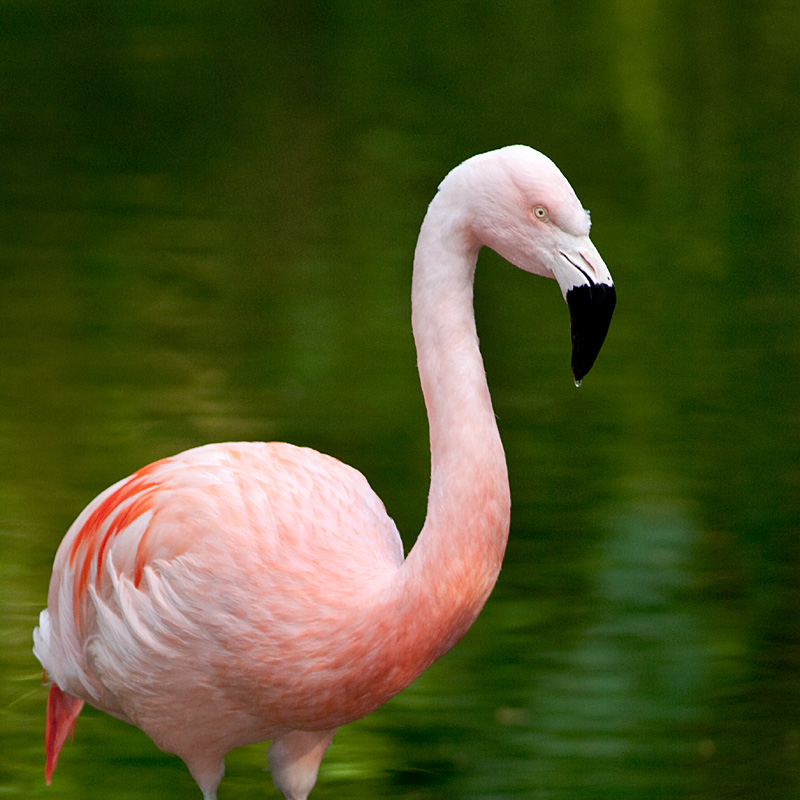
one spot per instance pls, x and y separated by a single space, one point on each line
173 577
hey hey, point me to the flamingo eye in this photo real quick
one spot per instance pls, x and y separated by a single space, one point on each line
540 212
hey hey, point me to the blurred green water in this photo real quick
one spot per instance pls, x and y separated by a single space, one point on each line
208 215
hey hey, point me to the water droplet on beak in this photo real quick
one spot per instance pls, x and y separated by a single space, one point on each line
578 384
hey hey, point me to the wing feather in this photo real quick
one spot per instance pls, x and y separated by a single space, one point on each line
215 548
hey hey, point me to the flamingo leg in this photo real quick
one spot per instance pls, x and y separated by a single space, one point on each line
295 760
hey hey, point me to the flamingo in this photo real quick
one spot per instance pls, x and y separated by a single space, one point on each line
244 592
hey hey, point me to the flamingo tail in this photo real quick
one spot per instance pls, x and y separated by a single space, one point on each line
62 711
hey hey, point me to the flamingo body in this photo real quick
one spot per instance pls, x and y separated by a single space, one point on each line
241 592
152 613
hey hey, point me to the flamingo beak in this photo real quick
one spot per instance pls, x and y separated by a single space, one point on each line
590 308
589 291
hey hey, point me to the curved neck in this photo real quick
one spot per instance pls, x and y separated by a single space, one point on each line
454 564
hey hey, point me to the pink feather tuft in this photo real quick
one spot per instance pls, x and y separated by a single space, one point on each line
62 711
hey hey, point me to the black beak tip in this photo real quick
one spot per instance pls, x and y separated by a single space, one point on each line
590 308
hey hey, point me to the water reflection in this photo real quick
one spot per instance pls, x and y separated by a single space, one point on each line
208 214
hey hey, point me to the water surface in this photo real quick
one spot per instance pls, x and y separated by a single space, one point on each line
207 222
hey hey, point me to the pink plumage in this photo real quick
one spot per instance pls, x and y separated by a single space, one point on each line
241 592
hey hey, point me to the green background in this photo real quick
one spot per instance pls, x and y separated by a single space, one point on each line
207 217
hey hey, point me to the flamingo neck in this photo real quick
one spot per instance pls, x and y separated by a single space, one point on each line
454 564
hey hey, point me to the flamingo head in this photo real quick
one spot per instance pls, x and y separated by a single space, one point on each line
518 203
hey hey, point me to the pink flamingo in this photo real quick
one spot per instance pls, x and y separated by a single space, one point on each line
241 592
